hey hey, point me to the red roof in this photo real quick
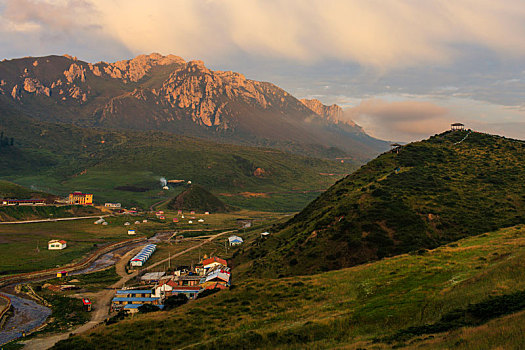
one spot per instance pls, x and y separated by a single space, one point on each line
216 285
62 241
196 288
214 259
86 301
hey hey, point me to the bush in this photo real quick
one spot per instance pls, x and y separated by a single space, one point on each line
175 301
148 308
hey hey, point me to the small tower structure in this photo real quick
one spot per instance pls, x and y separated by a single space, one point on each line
457 126
395 147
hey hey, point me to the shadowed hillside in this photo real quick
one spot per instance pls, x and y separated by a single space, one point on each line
125 166
198 199
430 193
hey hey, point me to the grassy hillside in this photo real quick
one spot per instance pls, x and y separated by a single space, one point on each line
431 193
11 190
198 199
126 166
378 305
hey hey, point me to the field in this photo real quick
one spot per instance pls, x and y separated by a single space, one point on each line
24 246
392 302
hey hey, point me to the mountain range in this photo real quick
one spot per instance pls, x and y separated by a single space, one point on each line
155 92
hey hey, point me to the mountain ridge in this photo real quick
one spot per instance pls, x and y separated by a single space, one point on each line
155 92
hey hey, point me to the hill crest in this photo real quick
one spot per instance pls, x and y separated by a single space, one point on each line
430 193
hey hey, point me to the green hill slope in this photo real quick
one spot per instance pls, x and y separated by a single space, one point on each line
431 193
198 199
13 191
396 302
125 166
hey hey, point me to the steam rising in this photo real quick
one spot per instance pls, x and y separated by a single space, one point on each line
163 182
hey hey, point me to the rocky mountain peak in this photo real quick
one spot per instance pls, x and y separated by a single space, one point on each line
334 113
135 68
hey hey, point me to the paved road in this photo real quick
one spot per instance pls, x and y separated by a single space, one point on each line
52 220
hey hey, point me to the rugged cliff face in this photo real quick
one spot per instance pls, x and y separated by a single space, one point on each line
155 92
334 113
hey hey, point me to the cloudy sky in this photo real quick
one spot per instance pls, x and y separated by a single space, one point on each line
403 69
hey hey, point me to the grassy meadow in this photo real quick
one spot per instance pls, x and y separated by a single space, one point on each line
369 306
23 247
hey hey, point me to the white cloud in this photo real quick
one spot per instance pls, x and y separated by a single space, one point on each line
399 120
381 34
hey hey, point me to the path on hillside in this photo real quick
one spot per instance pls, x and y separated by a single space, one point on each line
54 219
463 139
102 299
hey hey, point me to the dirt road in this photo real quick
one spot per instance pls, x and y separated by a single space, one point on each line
52 220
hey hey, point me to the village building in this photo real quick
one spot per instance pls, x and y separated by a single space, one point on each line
213 262
217 279
235 240
56 244
169 288
113 205
79 198
131 232
118 303
134 293
23 202
152 277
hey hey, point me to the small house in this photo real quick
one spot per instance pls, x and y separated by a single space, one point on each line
265 234
56 244
113 205
206 213
87 304
201 220
235 240
61 274
179 211
192 212
175 219
170 288
212 262
127 223
152 277
131 232
190 222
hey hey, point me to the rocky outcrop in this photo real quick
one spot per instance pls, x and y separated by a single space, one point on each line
136 68
32 85
75 71
333 113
